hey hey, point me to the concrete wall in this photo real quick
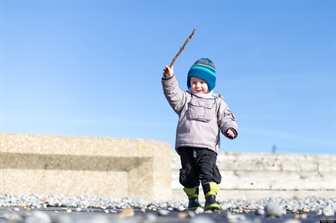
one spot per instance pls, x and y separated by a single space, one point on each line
146 169
258 175
133 168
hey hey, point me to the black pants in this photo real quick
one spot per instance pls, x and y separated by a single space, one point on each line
198 164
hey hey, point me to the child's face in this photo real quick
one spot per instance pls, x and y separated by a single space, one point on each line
198 86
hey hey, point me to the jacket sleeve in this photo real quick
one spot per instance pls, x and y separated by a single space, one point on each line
226 119
174 95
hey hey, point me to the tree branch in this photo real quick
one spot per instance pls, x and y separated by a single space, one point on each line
182 48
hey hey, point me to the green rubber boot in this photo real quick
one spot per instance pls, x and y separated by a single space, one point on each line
210 192
192 194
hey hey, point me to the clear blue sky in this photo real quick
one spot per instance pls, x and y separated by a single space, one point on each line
93 68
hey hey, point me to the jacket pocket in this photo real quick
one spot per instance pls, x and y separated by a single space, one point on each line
199 113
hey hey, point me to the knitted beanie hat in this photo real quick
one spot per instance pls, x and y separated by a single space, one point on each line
204 69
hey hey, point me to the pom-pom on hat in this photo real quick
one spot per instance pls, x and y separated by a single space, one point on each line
204 69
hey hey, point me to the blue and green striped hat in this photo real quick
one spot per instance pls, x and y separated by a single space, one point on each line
204 69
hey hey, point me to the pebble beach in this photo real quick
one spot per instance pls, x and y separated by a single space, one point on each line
41 208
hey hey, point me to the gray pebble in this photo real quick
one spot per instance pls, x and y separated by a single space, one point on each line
260 211
181 208
62 219
163 212
164 205
224 207
151 217
199 210
38 217
14 218
273 210
328 212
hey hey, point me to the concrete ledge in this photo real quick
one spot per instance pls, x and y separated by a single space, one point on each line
146 169
132 168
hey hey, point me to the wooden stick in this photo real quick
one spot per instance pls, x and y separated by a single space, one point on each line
182 48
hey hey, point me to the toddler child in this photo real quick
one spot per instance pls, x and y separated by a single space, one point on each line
203 114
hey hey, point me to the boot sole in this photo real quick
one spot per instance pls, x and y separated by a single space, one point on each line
193 208
212 207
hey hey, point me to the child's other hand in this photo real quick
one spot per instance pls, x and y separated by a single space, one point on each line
168 71
230 133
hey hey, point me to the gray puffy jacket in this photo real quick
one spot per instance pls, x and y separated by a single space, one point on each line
200 119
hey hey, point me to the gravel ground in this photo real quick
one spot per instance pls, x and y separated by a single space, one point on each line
59 208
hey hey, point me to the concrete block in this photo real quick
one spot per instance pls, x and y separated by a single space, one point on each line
327 165
149 170
133 168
